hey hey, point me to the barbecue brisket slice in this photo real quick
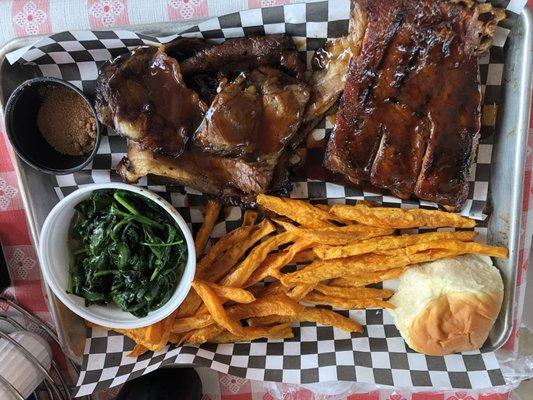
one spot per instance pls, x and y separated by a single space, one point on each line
232 180
234 149
255 116
409 118
240 149
143 97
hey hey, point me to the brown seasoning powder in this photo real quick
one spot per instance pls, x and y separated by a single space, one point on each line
66 121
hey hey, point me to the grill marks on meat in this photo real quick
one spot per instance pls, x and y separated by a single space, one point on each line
409 118
402 128
356 138
143 97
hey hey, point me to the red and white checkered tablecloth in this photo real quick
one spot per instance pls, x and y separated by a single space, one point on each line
31 17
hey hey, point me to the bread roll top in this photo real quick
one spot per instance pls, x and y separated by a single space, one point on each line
449 305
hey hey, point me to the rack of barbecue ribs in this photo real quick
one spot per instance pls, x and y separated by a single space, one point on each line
409 117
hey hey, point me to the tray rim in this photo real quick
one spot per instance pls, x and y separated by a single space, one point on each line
525 92
522 125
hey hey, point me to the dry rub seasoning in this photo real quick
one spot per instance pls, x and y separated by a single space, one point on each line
66 121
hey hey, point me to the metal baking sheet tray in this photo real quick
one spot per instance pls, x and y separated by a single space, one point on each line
506 186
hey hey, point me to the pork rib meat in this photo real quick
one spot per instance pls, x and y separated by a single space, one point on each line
409 118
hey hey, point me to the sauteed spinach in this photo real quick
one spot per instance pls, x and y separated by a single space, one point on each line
126 249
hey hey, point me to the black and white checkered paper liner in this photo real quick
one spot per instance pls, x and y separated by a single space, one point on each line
317 353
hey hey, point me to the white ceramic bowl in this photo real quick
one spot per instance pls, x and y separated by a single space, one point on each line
54 257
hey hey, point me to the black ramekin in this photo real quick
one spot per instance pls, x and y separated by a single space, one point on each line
22 131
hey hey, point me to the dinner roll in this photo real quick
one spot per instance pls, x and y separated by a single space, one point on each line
449 305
